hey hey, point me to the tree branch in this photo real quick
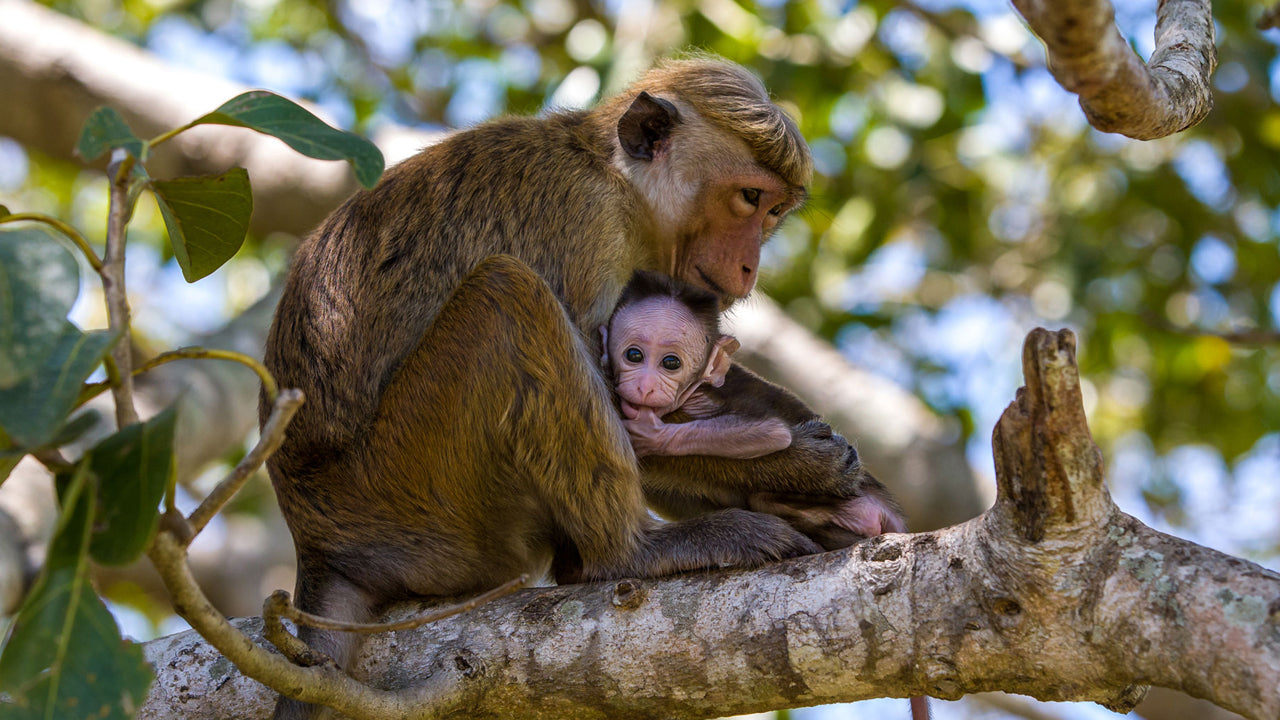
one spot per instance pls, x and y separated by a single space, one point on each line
1052 593
1118 92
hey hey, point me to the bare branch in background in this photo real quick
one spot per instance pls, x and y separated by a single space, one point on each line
1118 92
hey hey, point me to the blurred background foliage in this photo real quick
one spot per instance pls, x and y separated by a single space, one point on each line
960 199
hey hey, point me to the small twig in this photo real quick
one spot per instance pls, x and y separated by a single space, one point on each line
112 273
287 403
274 609
289 612
63 228
90 391
54 460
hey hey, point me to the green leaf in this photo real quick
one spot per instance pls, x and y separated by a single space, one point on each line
64 657
39 281
207 218
33 410
273 115
133 468
106 130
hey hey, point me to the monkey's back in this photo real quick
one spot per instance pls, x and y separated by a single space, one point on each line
367 284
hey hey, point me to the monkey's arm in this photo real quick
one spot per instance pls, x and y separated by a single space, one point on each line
816 483
726 436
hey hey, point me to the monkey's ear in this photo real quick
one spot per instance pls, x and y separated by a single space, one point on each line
718 364
604 344
646 125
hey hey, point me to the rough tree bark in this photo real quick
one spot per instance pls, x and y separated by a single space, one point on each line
1118 92
1053 592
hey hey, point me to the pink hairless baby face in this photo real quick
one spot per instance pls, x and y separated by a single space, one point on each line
658 352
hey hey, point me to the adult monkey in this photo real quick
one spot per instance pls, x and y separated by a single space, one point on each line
457 431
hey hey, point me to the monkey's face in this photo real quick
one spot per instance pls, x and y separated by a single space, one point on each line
734 216
713 204
657 352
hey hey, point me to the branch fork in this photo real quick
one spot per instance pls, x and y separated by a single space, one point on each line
1053 593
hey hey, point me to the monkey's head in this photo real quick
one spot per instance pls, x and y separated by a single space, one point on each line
719 164
662 342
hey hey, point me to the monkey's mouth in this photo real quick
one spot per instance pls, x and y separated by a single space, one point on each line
726 298
632 410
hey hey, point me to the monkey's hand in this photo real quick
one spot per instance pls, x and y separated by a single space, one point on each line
833 522
649 435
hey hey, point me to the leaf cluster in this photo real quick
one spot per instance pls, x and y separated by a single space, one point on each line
63 655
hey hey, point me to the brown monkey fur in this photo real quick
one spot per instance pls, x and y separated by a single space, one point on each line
456 430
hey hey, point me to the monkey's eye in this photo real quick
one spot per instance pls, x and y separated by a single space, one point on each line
776 210
671 362
752 196
633 355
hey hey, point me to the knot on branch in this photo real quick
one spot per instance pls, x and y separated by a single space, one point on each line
1048 469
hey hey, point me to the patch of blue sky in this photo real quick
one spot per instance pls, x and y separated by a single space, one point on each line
156 289
1205 174
389 28
848 116
904 33
1046 102
1273 304
980 8
1256 501
1273 71
1235 512
336 106
829 156
278 67
178 40
890 272
1137 22
521 65
865 348
1213 261
832 8
14 165
1212 309
479 93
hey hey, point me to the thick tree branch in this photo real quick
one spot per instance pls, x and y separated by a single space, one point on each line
1118 92
1052 593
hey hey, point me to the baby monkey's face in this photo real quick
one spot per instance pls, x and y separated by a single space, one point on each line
657 352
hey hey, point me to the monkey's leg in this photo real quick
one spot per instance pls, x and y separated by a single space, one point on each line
321 592
503 430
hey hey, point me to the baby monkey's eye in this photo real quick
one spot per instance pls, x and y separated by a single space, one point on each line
752 196
671 362
633 355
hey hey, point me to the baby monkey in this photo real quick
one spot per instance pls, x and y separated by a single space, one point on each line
662 346
668 361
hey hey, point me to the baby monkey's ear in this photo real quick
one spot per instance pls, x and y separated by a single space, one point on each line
718 363
604 345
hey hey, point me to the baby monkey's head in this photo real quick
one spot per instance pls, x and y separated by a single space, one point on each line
662 342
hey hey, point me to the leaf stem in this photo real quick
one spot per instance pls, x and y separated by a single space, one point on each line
166 136
63 228
112 274
93 390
